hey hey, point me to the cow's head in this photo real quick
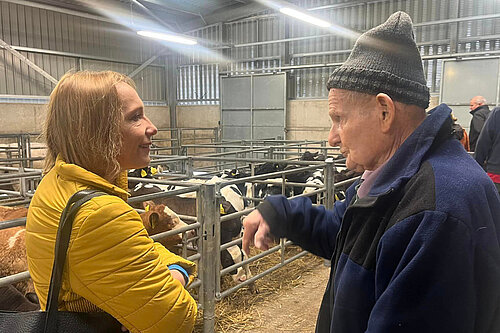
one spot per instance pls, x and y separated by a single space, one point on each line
158 218
235 255
155 219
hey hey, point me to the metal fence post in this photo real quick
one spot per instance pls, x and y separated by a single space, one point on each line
194 142
330 183
189 167
26 146
325 150
183 151
329 172
22 183
216 255
252 185
178 136
270 153
209 213
216 135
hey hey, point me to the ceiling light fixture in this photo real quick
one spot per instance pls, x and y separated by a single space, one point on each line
167 37
304 17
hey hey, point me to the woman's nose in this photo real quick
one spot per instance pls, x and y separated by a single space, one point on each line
151 128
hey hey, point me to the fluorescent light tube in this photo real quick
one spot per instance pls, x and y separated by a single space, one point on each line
167 37
304 17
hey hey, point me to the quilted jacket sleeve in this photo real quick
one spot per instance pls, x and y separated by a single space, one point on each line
115 265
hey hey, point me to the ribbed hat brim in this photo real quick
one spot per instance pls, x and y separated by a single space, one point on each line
385 59
372 81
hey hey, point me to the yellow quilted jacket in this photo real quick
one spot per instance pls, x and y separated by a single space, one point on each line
112 264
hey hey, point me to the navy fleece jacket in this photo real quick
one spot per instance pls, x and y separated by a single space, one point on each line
419 253
488 145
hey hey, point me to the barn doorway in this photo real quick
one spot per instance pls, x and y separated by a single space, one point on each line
466 78
253 106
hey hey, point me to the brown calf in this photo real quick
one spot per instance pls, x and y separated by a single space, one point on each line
159 218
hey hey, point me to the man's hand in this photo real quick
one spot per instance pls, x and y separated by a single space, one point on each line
256 231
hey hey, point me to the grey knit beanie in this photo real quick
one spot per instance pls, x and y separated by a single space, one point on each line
385 59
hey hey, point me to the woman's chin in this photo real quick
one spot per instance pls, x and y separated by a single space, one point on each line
136 166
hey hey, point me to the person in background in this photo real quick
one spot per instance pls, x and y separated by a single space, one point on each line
460 133
414 247
480 112
95 131
487 152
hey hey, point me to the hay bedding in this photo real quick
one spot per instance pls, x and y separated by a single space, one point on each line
239 311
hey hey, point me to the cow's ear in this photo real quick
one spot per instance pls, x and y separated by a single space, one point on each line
154 218
225 207
147 205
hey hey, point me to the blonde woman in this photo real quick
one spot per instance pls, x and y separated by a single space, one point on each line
95 130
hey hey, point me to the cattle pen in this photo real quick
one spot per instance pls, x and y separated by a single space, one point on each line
192 174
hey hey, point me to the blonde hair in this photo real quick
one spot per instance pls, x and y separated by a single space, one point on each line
84 118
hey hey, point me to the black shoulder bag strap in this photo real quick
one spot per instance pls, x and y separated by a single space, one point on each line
61 248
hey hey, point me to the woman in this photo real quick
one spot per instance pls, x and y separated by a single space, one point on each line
95 131
459 133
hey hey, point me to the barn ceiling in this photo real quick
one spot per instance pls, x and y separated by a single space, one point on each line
180 15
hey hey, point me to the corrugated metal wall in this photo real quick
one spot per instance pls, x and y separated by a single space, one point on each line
436 39
67 36
250 48
198 75
442 27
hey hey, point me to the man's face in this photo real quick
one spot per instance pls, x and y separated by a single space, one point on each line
474 104
356 129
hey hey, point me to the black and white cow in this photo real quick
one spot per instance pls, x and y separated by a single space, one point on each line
260 190
313 177
317 178
147 172
308 156
185 204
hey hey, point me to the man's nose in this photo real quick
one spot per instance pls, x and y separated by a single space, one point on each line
333 136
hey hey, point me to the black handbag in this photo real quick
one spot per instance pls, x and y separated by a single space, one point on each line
53 320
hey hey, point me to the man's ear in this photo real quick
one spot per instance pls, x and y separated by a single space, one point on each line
386 111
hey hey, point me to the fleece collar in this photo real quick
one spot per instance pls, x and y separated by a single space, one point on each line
482 107
407 160
76 173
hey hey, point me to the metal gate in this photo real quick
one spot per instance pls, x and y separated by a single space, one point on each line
253 106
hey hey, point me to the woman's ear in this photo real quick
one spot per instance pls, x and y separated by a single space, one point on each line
386 111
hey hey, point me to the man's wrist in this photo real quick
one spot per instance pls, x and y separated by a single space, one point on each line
271 216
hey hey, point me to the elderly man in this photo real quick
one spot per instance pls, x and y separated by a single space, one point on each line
480 112
415 246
